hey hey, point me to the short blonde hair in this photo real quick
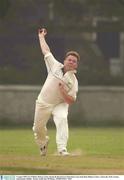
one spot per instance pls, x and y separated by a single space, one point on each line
73 53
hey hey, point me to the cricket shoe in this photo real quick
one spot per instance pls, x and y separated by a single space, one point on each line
43 149
64 153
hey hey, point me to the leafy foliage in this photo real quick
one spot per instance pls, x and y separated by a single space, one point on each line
4 6
66 21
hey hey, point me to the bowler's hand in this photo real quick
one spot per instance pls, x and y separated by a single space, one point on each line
42 32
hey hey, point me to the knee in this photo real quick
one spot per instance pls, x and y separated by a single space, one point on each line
36 128
59 120
33 128
61 116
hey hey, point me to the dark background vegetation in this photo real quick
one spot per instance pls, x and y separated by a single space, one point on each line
67 21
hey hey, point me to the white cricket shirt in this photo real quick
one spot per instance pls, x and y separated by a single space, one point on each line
50 92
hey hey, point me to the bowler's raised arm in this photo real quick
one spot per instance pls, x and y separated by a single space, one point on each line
44 46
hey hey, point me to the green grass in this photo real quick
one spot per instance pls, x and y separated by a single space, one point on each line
102 152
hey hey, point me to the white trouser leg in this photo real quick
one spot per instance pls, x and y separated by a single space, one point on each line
42 115
60 114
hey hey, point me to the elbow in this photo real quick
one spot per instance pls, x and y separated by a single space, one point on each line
70 100
45 52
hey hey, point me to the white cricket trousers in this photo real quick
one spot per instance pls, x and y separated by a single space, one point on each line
43 112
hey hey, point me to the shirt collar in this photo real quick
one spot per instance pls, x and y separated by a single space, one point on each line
72 71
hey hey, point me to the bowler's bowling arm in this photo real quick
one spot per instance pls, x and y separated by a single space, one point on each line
67 98
43 44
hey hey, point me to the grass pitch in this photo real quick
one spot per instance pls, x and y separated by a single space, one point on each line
99 151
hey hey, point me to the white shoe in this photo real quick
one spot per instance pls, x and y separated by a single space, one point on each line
43 149
64 153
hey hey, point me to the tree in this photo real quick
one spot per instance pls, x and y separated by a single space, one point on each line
4 6
78 15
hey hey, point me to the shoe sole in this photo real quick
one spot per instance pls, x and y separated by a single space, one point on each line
69 155
44 154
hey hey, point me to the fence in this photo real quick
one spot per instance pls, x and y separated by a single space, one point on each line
94 105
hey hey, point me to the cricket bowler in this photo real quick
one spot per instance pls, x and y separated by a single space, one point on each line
58 92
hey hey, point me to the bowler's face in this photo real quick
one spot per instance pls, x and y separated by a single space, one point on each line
70 63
